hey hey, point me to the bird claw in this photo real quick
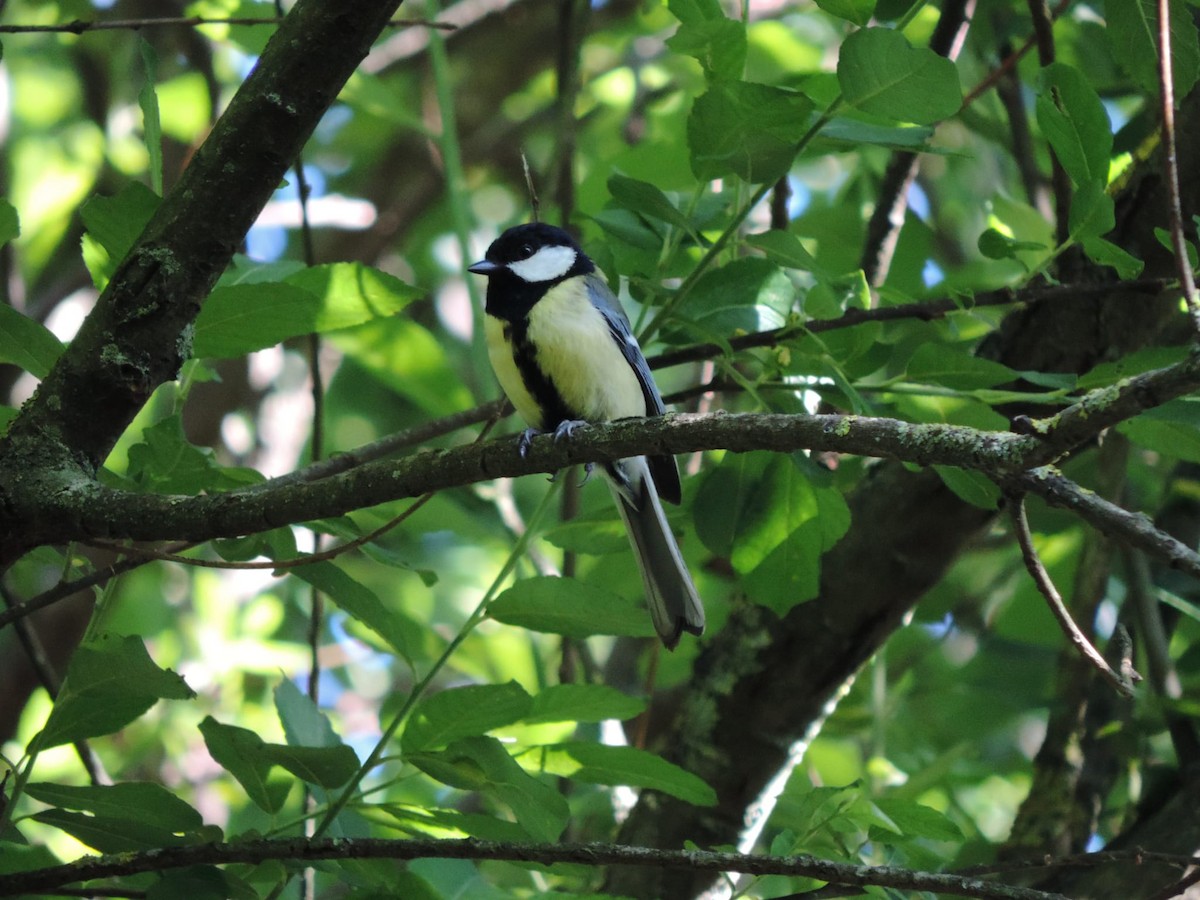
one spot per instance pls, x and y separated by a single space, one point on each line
566 428
525 440
587 472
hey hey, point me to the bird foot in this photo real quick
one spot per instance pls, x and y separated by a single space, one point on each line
567 427
525 440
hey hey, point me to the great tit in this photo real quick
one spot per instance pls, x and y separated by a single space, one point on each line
564 353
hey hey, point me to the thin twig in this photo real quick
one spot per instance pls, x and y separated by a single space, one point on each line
927 310
293 563
1008 63
1171 163
1132 528
1045 584
81 26
68 588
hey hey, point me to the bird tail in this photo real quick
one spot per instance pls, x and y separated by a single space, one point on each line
674 604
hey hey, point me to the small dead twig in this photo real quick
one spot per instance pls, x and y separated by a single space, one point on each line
1166 82
1123 683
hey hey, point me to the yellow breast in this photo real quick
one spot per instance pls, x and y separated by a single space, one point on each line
575 350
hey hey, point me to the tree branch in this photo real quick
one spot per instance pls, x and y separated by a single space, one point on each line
70 506
139 333
1133 528
89 868
1046 587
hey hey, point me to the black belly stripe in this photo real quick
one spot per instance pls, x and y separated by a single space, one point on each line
540 385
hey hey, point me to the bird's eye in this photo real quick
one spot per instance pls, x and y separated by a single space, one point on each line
525 251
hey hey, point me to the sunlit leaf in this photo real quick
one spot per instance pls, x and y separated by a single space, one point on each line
718 43
1133 34
482 764
26 343
449 715
582 703
113 226
241 318
143 801
570 608
111 835
745 129
602 764
358 601
151 126
1072 118
111 681
881 73
10 223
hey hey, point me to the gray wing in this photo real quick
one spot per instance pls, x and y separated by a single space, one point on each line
662 468
618 325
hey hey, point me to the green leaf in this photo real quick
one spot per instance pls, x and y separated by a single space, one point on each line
881 73
847 135
327 767
1107 253
359 602
748 294
583 703
198 883
151 125
568 607
109 835
113 227
482 764
602 764
250 759
1133 35
1092 212
242 318
26 343
142 801
643 197
785 249
111 681
447 823
995 244
918 821
239 752
1172 429
718 43
971 486
449 715
1072 118
857 11
352 293
773 524
304 725
746 129
1135 363
954 367
10 222
781 501
165 461
596 533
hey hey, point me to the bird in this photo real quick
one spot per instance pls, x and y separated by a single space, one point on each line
564 353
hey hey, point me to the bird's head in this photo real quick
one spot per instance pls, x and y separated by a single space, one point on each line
535 253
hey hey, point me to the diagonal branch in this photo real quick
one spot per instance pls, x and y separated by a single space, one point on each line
1122 682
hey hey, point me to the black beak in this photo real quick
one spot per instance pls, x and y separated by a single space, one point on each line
484 267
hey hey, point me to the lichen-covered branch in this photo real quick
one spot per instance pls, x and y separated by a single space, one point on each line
90 868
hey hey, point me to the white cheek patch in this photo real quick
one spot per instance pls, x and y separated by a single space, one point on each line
547 264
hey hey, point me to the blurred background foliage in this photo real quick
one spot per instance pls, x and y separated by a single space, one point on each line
676 119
